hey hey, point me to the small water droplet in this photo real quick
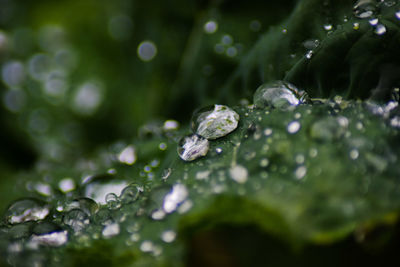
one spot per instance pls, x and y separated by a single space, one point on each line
76 219
130 194
354 154
267 131
97 187
111 230
192 147
128 155
27 209
215 121
395 122
171 125
201 175
356 25
398 14
168 236
373 22
380 29
113 201
166 173
174 198
66 185
218 150
87 205
210 26
328 27
146 51
293 127
309 54
278 94
264 162
300 172
239 174
330 128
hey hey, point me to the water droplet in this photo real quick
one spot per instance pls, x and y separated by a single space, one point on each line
239 174
309 54
170 125
218 150
395 122
231 51
227 39
162 146
398 14
173 199
87 98
211 26
146 51
255 25
201 175
300 172
328 27
356 25
48 234
168 236
364 8
113 201
130 194
354 154
380 29
264 162
192 147
43 189
111 230
76 219
278 94
147 246
13 73
267 131
293 127
128 155
329 129
87 205
27 209
311 44
215 121
97 187
39 66
66 185
373 22
166 173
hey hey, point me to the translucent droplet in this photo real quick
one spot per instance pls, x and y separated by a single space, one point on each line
128 155
87 98
166 173
218 150
13 73
97 187
354 154
364 8
293 127
39 66
111 230
356 25
67 185
398 14
170 125
211 26
87 205
329 129
309 54
215 121
264 162
147 246
130 194
192 147
14 100
395 122
227 39
27 209
146 51
76 219
328 27
43 189
279 94
373 22
380 29
113 201
300 172
48 234
255 25
168 236
239 174
201 175
173 199
311 44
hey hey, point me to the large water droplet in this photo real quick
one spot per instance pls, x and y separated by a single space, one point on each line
215 121
192 147
87 205
27 209
279 94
